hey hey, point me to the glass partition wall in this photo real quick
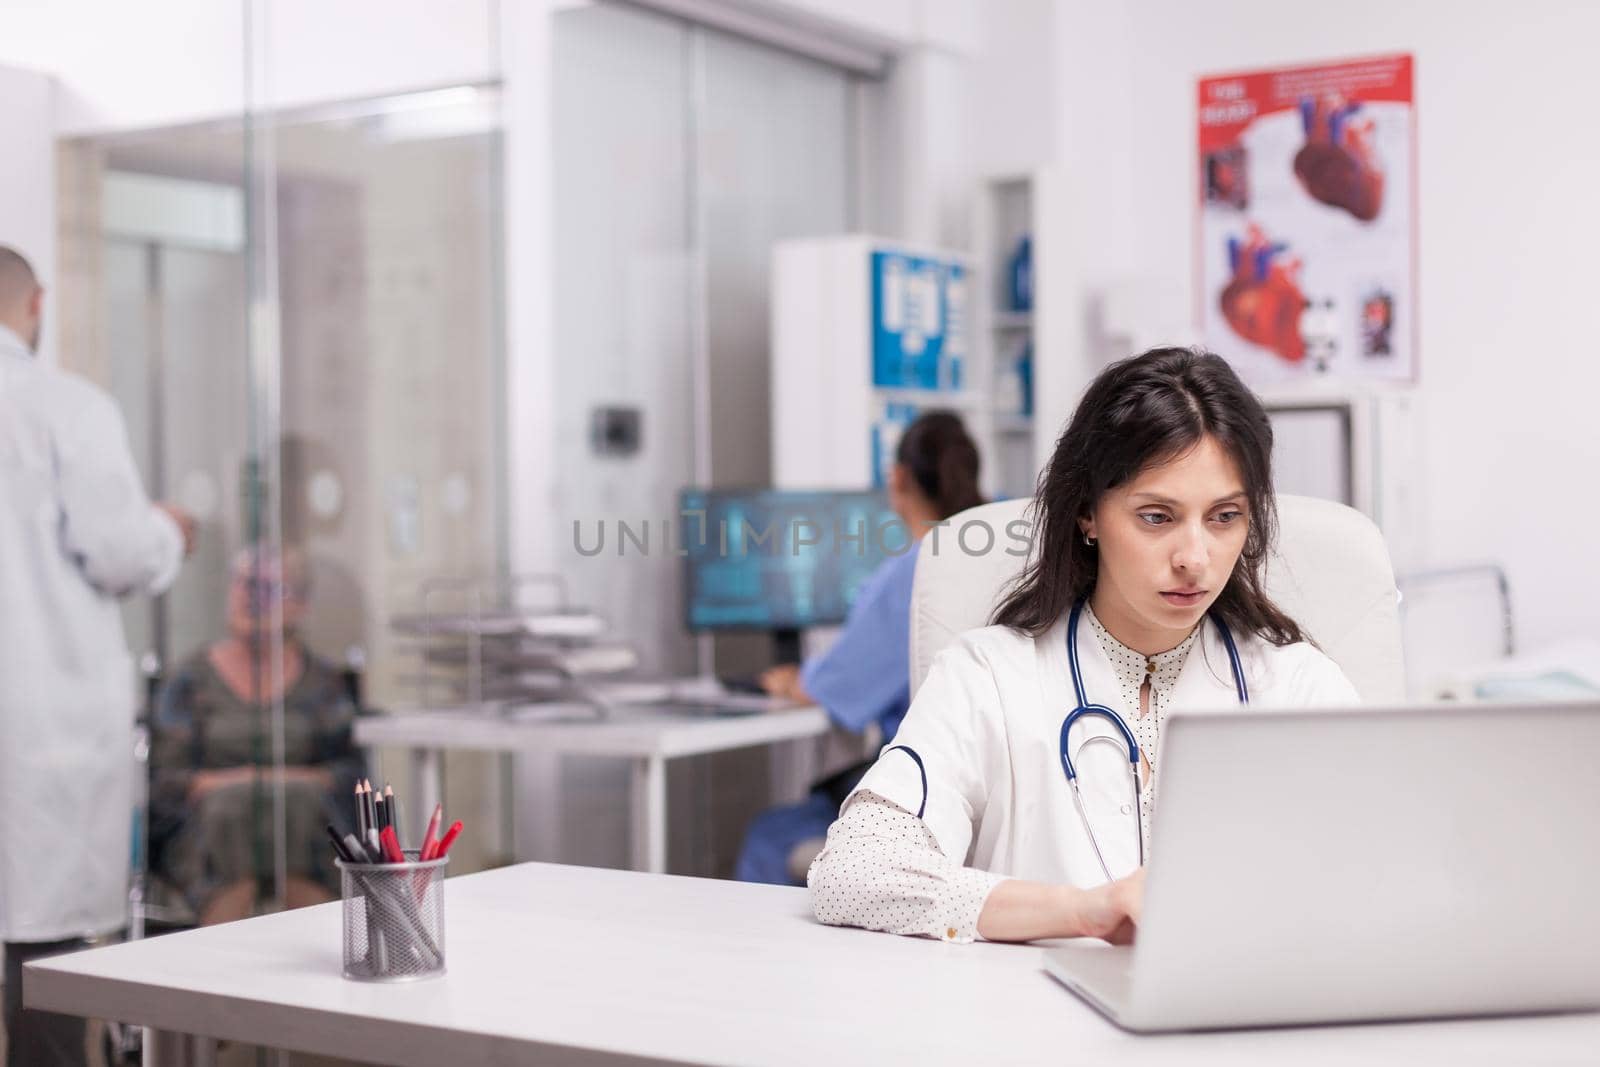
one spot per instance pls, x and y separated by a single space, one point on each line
297 314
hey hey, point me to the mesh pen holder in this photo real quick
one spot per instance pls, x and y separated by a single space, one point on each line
393 919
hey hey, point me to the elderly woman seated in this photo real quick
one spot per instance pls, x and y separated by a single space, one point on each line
212 800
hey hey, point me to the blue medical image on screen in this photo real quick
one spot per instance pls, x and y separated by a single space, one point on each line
765 559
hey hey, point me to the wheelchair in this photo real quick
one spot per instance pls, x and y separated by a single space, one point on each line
153 907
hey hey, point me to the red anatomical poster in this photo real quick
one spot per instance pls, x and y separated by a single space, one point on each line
1307 220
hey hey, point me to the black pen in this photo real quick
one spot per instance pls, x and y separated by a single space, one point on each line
338 845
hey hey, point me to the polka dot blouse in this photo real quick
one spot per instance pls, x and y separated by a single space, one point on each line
882 868
1134 670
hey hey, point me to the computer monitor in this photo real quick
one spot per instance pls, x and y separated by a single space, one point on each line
778 560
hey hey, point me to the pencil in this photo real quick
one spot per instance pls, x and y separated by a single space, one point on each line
430 838
371 838
394 814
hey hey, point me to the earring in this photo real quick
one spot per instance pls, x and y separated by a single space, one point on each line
1088 540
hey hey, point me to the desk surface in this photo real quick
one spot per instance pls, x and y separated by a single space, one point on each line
595 966
642 731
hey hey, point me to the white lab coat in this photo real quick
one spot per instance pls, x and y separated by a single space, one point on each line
76 533
987 725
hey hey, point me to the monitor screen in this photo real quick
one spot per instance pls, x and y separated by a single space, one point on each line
767 559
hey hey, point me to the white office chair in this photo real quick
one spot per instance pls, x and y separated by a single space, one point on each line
1330 572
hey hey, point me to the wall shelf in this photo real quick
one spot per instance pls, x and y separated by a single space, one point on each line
1008 343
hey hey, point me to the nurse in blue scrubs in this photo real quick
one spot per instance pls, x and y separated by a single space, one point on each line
863 678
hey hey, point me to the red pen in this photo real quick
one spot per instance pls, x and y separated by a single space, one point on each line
448 839
391 846
430 840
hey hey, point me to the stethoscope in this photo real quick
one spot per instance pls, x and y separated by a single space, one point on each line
1085 709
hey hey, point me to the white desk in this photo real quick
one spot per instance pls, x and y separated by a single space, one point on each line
551 964
645 736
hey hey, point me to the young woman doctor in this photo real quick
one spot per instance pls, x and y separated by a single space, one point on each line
1143 596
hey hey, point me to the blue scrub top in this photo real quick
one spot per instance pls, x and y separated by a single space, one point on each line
864 678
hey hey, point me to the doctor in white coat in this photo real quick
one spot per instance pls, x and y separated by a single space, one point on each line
76 533
1151 526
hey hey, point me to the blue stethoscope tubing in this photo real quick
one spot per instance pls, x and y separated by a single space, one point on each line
1084 710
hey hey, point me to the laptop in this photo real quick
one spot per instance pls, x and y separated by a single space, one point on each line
1316 867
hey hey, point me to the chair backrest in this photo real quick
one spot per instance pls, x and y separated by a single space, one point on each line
1330 572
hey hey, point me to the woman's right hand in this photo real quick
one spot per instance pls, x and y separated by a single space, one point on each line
1111 911
784 682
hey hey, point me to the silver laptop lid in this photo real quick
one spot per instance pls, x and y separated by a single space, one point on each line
1317 866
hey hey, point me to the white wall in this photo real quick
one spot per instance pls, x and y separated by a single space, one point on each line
131 64
1509 162
969 97
930 200
27 181
1011 84
163 62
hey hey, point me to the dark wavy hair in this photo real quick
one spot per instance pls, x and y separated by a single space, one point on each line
1138 412
943 461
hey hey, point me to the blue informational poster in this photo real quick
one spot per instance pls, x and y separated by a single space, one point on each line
920 322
